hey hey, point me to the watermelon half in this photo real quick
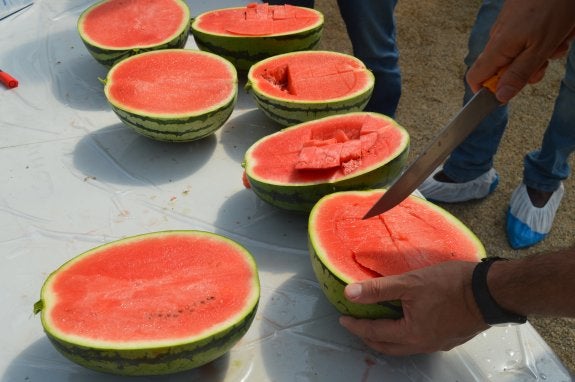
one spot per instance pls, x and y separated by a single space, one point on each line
173 94
246 35
151 304
115 29
297 87
344 248
295 167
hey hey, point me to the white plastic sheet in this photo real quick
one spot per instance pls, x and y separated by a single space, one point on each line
10 7
73 177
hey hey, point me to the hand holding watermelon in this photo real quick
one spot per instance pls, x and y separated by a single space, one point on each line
439 307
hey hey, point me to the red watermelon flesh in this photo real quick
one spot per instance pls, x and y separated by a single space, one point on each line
317 151
412 235
154 21
176 81
311 77
258 20
152 289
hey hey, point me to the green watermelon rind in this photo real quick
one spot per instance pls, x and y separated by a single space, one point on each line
333 287
244 51
288 112
166 357
176 127
333 281
109 56
301 198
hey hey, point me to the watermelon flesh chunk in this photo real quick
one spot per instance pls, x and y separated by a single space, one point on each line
313 80
412 235
327 149
343 147
310 81
319 157
258 19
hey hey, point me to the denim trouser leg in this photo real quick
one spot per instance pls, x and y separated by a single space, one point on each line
545 168
371 28
474 156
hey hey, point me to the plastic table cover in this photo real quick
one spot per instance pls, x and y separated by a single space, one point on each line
73 177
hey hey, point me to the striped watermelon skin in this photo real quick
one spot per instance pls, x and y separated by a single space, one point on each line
157 361
291 111
176 127
109 56
301 198
333 288
149 357
244 51
294 112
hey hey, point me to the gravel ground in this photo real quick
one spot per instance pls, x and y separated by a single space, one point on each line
432 37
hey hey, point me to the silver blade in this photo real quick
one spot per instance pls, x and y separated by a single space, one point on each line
474 111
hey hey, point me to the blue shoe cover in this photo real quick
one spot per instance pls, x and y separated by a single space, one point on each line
526 224
519 234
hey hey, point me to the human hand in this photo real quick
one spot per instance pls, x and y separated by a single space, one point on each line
525 36
439 310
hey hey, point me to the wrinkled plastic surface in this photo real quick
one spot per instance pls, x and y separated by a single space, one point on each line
73 177
10 7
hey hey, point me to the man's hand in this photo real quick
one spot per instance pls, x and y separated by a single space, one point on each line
526 35
438 306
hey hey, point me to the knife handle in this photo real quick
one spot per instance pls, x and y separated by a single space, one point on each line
491 83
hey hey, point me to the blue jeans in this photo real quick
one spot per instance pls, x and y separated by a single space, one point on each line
544 168
370 26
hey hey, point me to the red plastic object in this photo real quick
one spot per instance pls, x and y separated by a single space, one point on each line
8 80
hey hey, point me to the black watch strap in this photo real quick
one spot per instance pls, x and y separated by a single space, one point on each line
491 311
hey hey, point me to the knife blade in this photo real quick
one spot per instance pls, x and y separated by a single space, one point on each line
464 122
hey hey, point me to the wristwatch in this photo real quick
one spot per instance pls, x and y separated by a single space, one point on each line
492 313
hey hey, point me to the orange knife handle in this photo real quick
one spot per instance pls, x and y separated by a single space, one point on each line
492 82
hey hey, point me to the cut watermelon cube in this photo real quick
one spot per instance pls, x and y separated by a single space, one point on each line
367 141
256 11
284 12
319 157
351 150
371 125
311 80
319 142
340 136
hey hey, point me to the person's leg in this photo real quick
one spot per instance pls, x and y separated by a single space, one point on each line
468 172
546 168
535 202
371 28
474 156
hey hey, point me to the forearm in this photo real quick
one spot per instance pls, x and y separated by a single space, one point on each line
536 285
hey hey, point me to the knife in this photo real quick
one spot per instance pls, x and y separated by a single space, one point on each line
464 122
